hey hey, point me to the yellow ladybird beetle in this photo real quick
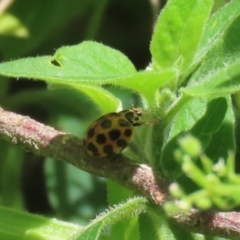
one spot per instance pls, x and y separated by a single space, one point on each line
112 132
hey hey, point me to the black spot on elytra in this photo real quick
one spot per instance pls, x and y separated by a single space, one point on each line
90 133
106 123
136 119
128 132
108 149
123 123
129 116
114 134
121 143
101 139
91 147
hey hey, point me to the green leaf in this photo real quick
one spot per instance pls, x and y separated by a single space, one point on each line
213 118
21 225
223 140
120 212
163 228
101 97
147 83
216 26
186 117
203 129
127 229
87 66
90 59
86 63
76 67
148 227
219 73
183 121
178 32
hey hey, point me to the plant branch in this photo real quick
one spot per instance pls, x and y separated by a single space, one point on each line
46 141
140 178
